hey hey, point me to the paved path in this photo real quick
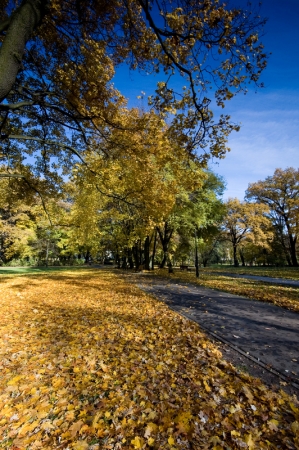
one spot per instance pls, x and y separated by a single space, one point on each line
267 332
281 281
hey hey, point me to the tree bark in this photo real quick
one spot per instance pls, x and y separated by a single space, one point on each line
196 258
236 262
23 21
130 259
154 250
242 257
165 238
147 253
293 250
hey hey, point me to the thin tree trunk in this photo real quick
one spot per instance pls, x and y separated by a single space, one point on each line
154 250
196 258
146 253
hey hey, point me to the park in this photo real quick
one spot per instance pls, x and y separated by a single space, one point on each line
141 307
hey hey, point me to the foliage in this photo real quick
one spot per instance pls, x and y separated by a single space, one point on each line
91 362
280 192
246 221
58 60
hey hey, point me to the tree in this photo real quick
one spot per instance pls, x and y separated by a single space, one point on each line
280 192
58 59
246 221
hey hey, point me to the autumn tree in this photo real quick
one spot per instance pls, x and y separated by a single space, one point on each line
193 213
246 221
58 59
126 196
280 192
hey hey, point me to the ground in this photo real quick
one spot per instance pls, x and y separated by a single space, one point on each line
89 361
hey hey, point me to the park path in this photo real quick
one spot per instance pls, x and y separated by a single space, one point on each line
264 331
272 280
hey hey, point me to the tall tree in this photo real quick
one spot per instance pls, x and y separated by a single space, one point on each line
58 59
281 193
246 221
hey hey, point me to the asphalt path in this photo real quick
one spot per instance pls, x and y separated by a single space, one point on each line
266 332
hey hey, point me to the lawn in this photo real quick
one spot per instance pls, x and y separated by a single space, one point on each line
89 361
284 296
291 273
36 270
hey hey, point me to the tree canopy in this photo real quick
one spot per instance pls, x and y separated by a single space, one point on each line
281 193
58 60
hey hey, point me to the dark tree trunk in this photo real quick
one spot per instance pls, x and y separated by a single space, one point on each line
154 250
165 237
19 28
293 250
130 259
236 262
87 256
147 253
242 257
136 255
196 258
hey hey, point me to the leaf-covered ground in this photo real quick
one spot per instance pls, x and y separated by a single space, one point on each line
284 296
89 361
290 273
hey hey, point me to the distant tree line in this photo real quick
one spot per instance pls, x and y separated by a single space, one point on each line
144 211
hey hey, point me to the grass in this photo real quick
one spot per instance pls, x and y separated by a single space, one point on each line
284 296
90 362
291 273
36 270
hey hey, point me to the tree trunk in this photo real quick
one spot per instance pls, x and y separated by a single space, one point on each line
165 238
293 250
236 262
130 259
242 257
87 256
124 262
136 255
154 250
147 253
196 258
19 28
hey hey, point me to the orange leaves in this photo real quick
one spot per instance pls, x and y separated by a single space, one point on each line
138 386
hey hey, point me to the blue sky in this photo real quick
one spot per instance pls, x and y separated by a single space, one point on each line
269 118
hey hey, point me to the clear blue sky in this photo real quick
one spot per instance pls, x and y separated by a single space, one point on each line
269 135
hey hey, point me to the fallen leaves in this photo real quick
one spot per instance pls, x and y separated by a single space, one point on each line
91 362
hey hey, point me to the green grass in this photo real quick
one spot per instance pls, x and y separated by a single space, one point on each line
37 270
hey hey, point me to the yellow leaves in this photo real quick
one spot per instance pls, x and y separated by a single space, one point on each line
125 398
137 442
171 440
207 387
15 380
75 428
151 428
273 424
80 445
249 441
151 441
295 428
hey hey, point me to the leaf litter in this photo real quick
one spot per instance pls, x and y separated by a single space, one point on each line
88 361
